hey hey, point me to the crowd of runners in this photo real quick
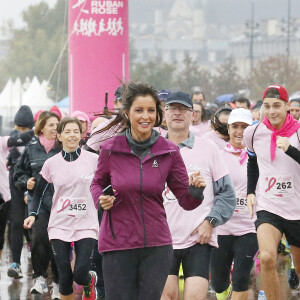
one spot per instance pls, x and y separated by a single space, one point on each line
165 185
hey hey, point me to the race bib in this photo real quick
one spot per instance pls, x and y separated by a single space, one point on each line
279 186
73 207
241 203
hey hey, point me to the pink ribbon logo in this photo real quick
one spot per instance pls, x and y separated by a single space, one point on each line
66 203
272 182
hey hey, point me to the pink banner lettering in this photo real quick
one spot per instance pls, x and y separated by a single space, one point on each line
98 52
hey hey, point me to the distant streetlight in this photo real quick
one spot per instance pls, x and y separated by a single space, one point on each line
288 32
252 35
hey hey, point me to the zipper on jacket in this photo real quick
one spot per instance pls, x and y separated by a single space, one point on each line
141 201
111 225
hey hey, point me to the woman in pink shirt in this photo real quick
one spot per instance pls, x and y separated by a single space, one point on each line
73 216
237 238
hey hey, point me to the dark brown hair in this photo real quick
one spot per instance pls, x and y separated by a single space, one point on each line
42 120
218 126
61 126
131 91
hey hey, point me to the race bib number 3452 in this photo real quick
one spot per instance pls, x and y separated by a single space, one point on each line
279 186
75 207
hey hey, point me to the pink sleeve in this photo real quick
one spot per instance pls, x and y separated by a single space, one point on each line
45 172
4 140
247 140
218 166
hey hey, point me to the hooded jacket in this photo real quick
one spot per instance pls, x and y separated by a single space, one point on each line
137 218
29 165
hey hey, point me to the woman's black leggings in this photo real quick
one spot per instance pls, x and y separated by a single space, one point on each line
3 219
84 251
136 274
41 252
16 218
241 250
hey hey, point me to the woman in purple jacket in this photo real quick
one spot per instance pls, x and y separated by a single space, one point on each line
134 235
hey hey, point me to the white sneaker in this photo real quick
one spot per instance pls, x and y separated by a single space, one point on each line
55 291
40 286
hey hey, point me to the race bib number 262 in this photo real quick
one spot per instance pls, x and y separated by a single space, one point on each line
279 186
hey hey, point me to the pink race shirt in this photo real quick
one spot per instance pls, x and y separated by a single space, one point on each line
206 157
201 129
279 181
240 223
73 214
4 182
212 135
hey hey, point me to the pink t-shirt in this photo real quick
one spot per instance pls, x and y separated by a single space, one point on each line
279 181
4 182
212 135
240 223
73 214
206 157
201 128
163 132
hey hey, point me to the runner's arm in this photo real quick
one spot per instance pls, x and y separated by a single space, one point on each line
294 153
39 191
252 173
225 200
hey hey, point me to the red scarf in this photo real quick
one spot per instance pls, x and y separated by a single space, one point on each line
289 127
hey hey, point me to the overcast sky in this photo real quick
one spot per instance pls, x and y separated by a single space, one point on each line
12 9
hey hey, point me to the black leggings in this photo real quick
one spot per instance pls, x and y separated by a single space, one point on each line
3 219
41 252
241 250
84 251
16 218
136 274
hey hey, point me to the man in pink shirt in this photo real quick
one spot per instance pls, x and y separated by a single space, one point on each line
193 232
277 174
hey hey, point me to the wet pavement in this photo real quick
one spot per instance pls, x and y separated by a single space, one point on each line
12 289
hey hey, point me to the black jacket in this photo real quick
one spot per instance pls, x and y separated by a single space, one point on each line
29 165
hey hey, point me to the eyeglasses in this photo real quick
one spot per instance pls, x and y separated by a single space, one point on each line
175 108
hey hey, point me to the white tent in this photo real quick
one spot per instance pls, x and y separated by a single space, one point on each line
10 101
36 97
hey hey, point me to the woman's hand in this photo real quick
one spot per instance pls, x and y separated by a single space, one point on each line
251 199
31 183
196 180
29 222
106 202
283 143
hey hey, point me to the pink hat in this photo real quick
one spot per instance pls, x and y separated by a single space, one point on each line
282 93
56 110
82 116
36 116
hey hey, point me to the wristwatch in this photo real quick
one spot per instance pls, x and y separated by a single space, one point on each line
212 221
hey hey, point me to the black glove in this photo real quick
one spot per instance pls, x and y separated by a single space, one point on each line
19 139
2 202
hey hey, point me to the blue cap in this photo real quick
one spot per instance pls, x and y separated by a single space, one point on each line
181 98
163 95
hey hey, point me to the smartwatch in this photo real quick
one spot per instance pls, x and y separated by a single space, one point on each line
212 221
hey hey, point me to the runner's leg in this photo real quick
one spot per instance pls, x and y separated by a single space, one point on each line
268 239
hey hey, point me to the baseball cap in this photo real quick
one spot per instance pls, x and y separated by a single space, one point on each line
181 98
240 115
118 93
163 95
295 102
270 92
